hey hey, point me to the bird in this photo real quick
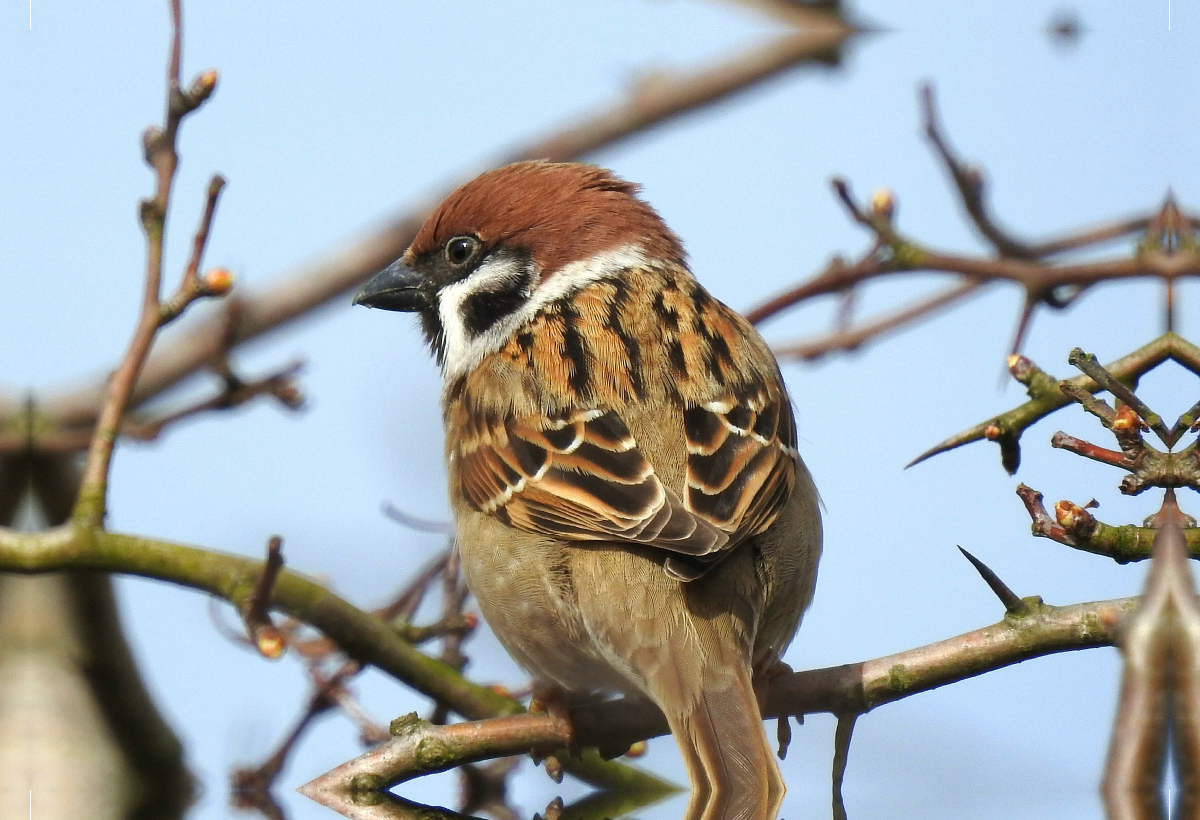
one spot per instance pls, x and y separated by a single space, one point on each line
630 509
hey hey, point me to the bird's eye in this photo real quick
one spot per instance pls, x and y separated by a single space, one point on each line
460 249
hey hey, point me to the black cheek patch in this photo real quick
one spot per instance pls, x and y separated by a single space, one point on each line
483 309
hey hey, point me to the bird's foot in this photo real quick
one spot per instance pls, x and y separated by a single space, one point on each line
553 701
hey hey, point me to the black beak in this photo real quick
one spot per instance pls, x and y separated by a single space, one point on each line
396 287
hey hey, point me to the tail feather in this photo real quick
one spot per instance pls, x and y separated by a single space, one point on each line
729 759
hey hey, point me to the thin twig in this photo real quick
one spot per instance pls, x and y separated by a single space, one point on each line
90 505
192 286
250 787
969 181
413 522
255 610
280 385
1096 406
852 338
1115 458
1089 365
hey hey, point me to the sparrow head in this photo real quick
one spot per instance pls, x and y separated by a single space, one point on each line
512 241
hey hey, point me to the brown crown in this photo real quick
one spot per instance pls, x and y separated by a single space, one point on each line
557 212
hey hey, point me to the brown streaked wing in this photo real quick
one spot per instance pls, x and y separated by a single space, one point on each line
741 460
581 477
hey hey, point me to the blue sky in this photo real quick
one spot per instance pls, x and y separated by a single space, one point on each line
329 119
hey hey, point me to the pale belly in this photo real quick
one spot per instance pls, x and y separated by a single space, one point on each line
527 596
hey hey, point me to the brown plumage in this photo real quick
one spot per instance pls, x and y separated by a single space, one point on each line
631 510
535 204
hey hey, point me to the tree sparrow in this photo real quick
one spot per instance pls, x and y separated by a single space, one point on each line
631 511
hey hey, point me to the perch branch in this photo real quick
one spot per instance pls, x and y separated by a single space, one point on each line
360 635
421 748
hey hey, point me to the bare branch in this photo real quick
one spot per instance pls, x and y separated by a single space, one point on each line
1077 528
852 338
160 154
969 181
255 610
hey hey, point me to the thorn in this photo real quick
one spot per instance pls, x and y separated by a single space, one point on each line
965 437
1012 602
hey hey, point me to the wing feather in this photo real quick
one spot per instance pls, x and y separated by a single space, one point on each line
583 477
741 460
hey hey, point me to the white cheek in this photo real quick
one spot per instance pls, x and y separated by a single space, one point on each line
464 352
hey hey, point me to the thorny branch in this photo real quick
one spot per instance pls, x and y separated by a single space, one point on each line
1156 726
1145 466
842 690
1047 394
